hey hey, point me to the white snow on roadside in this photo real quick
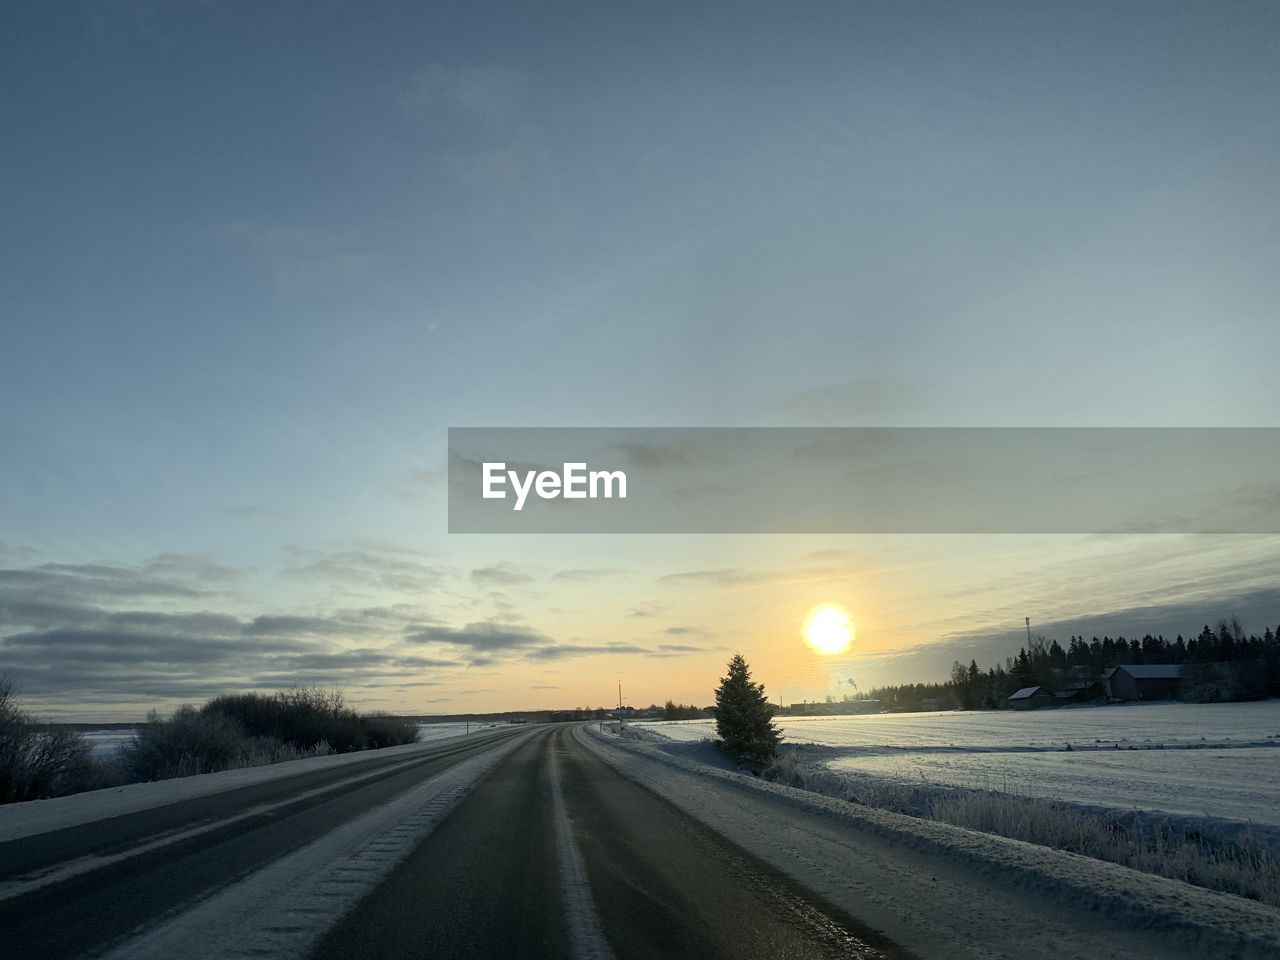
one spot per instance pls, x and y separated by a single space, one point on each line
1138 725
1240 784
453 728
40 816
1218 760
946 891
283 909
586 934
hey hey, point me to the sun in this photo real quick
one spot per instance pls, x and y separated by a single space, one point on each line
828 628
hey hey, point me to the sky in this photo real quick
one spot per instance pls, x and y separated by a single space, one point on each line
256 259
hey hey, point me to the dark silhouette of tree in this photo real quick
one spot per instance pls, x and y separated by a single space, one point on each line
744 717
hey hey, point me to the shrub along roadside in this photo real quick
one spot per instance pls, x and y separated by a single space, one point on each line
40 761
252 729
1228 860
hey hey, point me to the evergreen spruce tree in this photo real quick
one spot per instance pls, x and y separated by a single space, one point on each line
744 718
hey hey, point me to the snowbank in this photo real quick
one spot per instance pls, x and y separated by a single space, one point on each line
945 890
41 816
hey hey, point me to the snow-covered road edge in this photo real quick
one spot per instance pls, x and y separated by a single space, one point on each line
283 909
1178 919
19 820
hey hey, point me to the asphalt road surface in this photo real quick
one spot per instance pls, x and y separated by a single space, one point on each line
553 853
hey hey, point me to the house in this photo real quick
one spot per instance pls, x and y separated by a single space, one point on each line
1081 691
1028 698
1146 681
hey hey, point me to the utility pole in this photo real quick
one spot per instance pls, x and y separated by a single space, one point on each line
1028 619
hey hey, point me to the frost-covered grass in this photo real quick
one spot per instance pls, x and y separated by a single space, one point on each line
1187 791
1240 782
1215 856
1214 760
1128 725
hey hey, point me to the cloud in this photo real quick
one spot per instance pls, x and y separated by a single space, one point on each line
95 582
481 637
270 625
723 577
419 484
368 568
17 551
76 634
192 567
679 631
563 651
486 92
590 574
500 575
495 174
300 257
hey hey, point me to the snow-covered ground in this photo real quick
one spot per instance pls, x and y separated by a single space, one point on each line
1219 760
945 891
442 731
105 743
40 816
1240 784
1129 725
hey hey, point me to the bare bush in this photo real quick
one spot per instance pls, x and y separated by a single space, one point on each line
252 729
37 760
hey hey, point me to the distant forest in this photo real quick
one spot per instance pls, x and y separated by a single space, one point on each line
1217 665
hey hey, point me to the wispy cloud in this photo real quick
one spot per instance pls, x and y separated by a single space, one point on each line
301 257
480 92
722 577
502 574
481 637
564 651
590 574
367 568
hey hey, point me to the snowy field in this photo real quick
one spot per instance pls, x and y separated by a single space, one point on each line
1217 760
443 731
1136 725
104 743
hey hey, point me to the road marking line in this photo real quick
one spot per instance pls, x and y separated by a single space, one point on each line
284 908
67 869
586 935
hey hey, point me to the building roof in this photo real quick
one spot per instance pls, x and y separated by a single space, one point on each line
1152 671
1077 685
1026 692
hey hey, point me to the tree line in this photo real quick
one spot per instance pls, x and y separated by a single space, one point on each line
1223 664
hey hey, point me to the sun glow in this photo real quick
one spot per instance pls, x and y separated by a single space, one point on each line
828 628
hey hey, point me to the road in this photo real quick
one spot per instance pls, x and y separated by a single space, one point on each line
547 851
